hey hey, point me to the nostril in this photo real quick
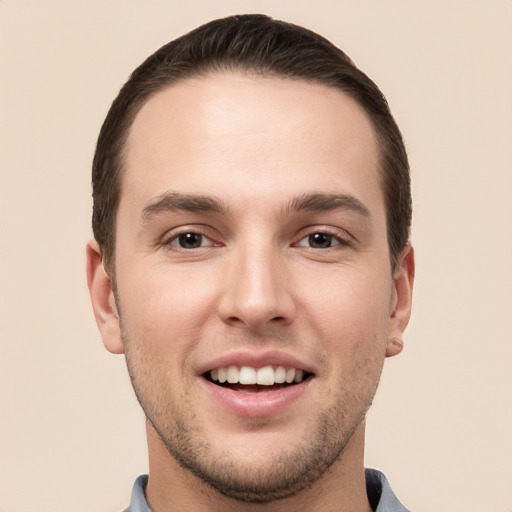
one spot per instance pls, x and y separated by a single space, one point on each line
235 320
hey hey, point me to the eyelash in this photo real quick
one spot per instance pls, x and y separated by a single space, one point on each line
333 235
339 241
174 240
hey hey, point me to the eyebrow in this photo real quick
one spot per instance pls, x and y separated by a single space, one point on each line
324 202
174 201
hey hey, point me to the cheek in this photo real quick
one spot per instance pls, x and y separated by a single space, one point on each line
166 309
348 300
350 314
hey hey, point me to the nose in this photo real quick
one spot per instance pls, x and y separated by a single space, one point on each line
257 292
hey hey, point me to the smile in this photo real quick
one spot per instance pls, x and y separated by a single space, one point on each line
267 376
256 385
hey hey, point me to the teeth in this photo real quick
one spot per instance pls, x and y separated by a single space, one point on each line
290 375
266 376
233 375
280 375
247 375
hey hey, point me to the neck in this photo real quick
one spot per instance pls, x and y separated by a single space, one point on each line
171 488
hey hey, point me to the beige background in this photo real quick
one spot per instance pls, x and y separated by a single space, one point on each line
71 433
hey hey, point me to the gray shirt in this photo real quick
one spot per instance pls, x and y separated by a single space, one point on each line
380 495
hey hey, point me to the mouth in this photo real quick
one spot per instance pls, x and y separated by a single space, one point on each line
256 385
249 379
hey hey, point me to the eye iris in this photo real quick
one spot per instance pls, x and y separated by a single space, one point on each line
190 240
320 240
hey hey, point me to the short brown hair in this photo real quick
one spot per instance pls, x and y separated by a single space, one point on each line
260 44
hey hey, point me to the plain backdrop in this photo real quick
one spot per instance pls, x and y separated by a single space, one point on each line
71 433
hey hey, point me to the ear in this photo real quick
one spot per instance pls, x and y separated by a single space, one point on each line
102 298
400 313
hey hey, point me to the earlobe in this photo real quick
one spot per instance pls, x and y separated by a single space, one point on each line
394 347
403 282
102 299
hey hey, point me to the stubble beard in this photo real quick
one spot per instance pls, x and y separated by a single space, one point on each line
280 476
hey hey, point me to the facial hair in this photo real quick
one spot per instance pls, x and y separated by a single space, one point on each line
281 475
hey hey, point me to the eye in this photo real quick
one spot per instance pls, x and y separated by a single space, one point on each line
191 241
320 241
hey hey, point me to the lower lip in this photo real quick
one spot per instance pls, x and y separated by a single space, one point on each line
256 405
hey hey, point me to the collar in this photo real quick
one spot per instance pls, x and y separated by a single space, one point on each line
380 494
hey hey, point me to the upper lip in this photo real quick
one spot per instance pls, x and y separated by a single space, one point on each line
256 360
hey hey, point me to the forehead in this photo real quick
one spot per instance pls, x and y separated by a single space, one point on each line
266 136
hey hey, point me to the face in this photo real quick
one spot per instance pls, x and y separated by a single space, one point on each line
255 300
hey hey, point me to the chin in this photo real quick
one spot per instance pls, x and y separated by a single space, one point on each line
266 471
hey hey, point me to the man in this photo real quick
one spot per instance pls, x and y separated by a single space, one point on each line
251 260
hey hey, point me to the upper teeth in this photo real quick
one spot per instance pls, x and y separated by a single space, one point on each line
266 376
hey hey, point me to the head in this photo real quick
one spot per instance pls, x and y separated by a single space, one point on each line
264 46
252 209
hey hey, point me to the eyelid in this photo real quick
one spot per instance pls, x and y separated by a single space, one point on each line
343 238
174 241
173 235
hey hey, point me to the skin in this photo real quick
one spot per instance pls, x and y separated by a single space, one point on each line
256 146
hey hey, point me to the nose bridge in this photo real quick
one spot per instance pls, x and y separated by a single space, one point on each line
256 290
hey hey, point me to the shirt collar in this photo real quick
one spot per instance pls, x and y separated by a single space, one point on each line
380 494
